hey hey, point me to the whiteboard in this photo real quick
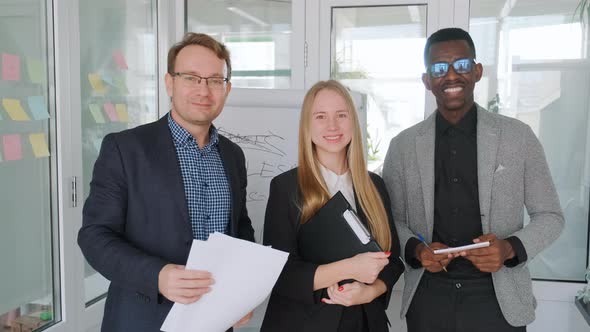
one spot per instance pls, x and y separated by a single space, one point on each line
265 124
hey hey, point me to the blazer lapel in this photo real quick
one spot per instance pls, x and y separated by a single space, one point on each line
487 148
425 155
164 154
229 163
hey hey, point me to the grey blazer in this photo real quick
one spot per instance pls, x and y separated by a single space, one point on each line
512 173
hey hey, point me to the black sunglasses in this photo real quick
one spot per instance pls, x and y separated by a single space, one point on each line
461 66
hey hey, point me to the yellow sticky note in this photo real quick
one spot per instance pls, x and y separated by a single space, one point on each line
122 112
39 145
36 70
96 83
96 113
15 110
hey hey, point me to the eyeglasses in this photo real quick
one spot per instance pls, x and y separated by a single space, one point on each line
192 80
461 66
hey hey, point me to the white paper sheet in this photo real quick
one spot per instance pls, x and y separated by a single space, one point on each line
244 274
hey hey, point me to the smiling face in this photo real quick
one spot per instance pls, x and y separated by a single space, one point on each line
453 92
331 126
196 106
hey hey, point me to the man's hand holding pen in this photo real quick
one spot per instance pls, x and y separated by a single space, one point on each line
430 261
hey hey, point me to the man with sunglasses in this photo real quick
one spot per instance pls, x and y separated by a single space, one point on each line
463 176
157 187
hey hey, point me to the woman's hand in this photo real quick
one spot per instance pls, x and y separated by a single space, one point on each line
354 293
366 267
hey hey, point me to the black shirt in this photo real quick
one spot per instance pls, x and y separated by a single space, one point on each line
457 218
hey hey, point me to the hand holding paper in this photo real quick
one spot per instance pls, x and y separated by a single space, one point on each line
244 320
233 263
180 285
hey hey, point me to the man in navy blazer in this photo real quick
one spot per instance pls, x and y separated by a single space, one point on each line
157 187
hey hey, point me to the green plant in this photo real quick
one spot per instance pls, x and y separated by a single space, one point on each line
336 74
583 11
494 104
373 146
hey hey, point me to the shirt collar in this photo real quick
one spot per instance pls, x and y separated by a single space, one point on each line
342 183
467 124
182 137
331 178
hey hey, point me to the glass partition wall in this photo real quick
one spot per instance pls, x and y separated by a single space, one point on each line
537 69
258 34
29 268
119 83
376 50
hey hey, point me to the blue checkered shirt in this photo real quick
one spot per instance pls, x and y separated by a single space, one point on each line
206 187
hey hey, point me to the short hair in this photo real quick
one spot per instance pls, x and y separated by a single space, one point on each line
200 39
444 35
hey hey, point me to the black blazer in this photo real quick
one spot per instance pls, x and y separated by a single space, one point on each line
293 305
136 220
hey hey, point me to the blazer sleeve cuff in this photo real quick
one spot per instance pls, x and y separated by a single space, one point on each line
410 251
390 275
520 255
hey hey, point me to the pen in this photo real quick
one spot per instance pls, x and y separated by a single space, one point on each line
421 238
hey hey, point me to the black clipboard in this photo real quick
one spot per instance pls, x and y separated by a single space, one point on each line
334 233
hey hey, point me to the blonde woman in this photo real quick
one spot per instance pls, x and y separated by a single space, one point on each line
307 296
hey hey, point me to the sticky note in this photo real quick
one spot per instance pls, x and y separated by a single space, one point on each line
12 147
121 85
15 110
120 59
108 78
96 83
37 107
36 70
96 113
10 67
39 144
122 112
111 112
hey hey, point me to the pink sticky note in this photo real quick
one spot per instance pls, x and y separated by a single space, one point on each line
12 147
120 59
111 112
10 67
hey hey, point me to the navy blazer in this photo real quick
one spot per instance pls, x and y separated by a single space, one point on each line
293 305
136 220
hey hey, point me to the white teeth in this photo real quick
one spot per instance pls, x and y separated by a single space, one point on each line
455 89
332 137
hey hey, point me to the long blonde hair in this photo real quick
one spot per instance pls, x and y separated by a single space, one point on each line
313 189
